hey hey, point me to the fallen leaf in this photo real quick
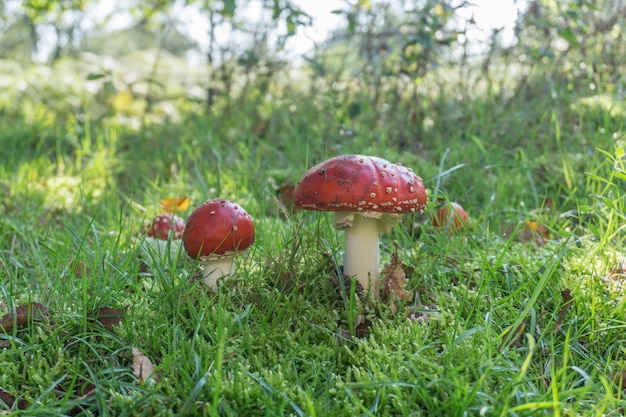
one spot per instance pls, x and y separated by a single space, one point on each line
394 280
108 317
142 367
363 326
9 399
619 377
618 271
285 197
24 315
79 268
565 306
82 392
531 231
421 313
514 339
175 205
260 129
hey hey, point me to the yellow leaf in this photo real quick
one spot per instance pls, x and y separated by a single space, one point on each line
175 205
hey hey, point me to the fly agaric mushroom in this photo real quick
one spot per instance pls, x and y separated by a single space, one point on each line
451 215
215 232
162 228
368 195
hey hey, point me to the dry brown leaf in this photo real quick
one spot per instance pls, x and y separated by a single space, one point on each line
285 196
9 399
260 129
363 326
531 231
618 271
421 313
79 268
108 317
619 377
142 367
82 392
565 306
175 205
515 339
394 280
24 315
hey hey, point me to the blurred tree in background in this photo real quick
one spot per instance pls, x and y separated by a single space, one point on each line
392 61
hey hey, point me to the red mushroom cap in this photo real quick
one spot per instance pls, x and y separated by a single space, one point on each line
452 211
218 227
360 183
162 224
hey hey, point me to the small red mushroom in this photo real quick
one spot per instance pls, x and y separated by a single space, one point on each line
215 232
368 194
164 224
164 234
450 215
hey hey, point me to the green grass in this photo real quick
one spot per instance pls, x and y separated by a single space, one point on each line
285 335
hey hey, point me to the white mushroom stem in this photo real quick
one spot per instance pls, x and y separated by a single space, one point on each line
362 250
216 268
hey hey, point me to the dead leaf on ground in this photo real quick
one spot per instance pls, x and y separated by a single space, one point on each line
260 129
9 399
142 367
79 269
285 197
619 378
82 392
421 313
531 231
568 300
363 326
24 315
394 281
175 205
108 317
618 271
514 339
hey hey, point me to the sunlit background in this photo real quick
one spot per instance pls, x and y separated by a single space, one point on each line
485 15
